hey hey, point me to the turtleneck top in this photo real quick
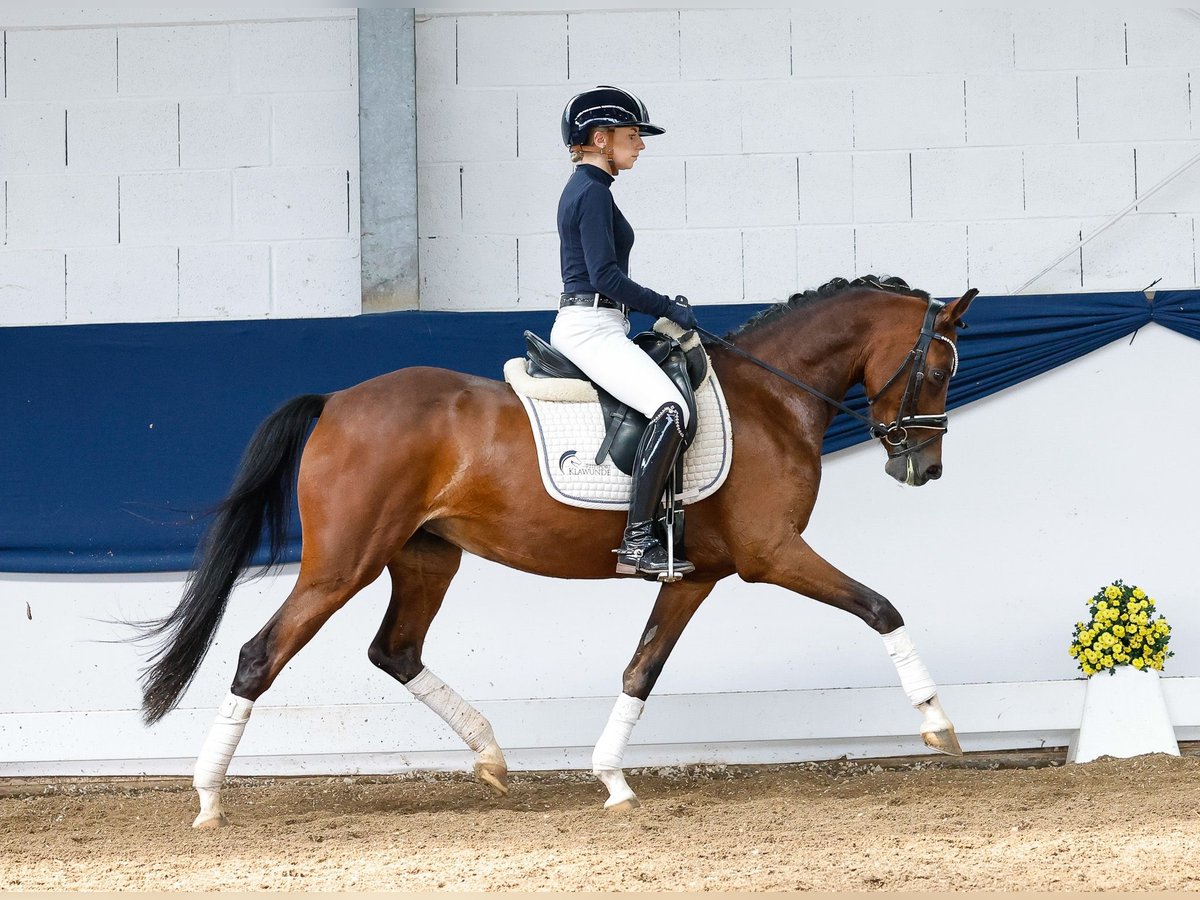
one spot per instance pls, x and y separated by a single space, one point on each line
594 243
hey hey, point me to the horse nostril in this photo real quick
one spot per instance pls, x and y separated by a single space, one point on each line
934 471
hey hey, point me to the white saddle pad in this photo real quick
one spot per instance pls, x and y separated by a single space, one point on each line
569 428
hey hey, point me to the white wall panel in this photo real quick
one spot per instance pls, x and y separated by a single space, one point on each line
1021 108
456 126
34 138
176 207
617 46
63 65
1136 251
826 188
1086 179
122 135
225 281
654 197
784 116
1004 255
539 273
759 676
512 49
1134 104
909 113
293 202
701 118
966 184
511 197
769 264
265 56
911 41
882 187
755 43
932 257
1069 38
1156 162
468 272
311 279
1162 37
224 132
539 118
741 190
437 51
32 287
824 252
122 284
705 265
184 61
46 211
315 129
439 199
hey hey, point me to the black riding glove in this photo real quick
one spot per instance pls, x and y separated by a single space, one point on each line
680 312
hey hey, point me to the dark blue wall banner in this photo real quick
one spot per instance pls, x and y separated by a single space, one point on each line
118 438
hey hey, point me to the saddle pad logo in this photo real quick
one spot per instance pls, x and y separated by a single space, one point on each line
571 465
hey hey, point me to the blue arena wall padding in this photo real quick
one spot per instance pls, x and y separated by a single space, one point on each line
118 438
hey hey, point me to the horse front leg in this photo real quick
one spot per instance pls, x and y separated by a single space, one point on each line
672 611
800 569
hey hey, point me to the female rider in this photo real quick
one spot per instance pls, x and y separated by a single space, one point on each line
603 129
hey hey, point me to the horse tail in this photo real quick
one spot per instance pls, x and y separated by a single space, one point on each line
261 495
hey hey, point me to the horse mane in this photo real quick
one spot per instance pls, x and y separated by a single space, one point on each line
831 289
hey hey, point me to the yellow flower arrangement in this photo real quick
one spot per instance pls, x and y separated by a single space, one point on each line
1123 631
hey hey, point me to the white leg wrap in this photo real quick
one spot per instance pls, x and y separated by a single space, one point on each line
468 723
610 749
221 742
914 677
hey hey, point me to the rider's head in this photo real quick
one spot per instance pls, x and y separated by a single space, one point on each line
605 126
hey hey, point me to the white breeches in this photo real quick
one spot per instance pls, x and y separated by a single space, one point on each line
597 340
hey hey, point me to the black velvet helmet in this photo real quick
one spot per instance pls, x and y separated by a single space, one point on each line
605 107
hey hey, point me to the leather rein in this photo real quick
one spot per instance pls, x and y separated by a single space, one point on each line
895 434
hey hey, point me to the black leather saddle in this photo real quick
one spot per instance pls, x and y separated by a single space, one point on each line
623 426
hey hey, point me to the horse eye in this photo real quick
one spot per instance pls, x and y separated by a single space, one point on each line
938 375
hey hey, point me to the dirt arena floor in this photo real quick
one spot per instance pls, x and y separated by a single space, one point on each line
1028 822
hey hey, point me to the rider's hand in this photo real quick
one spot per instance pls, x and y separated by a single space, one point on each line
680 312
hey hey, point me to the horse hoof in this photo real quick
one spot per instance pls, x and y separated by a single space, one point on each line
494 777
207 820
622 806
944 741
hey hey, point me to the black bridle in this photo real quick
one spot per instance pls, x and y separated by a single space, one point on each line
895 434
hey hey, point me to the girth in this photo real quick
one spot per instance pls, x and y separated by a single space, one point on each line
623 427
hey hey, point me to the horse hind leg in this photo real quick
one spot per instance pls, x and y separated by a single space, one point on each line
309 605
421 574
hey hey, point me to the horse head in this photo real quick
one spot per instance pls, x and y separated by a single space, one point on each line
906 384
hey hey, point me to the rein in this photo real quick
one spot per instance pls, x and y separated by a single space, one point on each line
896 433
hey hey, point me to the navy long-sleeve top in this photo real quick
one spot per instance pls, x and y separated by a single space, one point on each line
595 240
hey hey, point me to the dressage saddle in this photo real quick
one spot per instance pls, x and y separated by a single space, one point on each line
623 426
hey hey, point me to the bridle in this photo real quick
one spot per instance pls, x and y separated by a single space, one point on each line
894 434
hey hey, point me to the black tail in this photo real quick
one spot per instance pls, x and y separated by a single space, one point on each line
261 493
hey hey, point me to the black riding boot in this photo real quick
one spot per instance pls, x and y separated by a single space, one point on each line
640 551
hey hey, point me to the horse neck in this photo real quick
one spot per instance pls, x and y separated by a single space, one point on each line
825 344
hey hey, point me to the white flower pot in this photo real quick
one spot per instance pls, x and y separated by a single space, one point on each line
1124 714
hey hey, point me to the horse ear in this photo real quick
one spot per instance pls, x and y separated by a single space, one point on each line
952 312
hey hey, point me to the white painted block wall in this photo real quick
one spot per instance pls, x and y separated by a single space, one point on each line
952 148
197 165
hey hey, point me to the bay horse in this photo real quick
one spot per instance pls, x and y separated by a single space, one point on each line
407 470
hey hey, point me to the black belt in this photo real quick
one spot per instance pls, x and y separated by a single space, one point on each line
596 301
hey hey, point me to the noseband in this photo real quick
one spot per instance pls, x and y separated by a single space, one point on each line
895 434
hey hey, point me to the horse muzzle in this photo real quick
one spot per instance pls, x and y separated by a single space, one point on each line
912 469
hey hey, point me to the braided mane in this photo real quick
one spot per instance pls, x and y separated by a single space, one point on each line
829 290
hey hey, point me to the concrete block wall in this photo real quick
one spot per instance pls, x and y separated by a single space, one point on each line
196 165
953 148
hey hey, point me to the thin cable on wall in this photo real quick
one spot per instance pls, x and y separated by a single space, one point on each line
1112 221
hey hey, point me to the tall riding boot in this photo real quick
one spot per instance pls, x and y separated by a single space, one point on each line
640 551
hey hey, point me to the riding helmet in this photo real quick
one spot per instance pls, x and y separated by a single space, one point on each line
605 107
